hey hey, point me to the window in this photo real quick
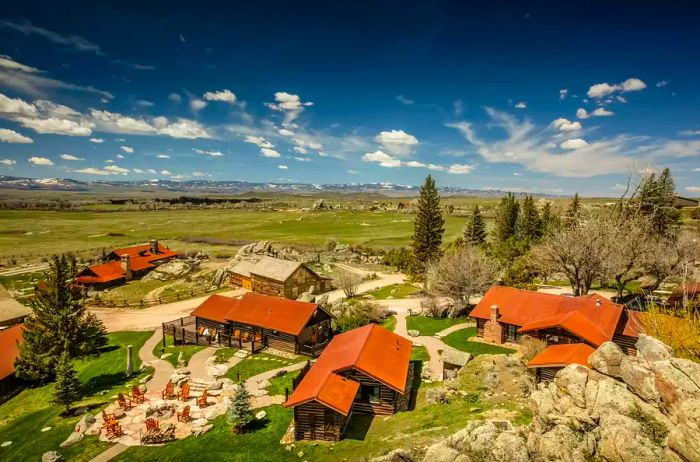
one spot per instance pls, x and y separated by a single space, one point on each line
368 394
511 333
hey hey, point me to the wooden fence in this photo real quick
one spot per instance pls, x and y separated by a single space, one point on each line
152 302
184 331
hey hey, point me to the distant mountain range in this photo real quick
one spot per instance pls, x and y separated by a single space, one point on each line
233 187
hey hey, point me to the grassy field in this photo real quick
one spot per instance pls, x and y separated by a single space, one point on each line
281 383
24 232
420 353
459 340
427 325
394 291
257 364
389 323
187 351
23 417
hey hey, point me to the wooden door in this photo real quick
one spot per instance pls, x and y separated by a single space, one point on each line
329 427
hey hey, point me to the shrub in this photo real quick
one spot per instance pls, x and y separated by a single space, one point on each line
240 413
356 313
651 426
401 258
679 329
330 244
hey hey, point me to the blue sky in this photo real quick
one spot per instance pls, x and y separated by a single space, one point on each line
530 96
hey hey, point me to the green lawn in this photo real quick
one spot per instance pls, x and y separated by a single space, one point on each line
389 323
459 340
187 350
257 364
23 417
133 291
224 354
279 384
394 291
427 325
420 353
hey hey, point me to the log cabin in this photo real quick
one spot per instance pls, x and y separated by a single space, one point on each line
10 338
285 325
365 370
572 327
11 311
122 265
274 276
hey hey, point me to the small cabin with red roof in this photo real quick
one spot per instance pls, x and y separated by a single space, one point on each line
365 370
124 264
572 327
287 325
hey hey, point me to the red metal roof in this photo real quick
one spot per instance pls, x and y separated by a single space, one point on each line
275 313
144 250
141 259
573 321
599 317
215 308
9 349
370 349
562 355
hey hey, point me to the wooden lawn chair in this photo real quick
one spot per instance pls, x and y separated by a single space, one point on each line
200 331
114 431
108 419
236 334
137 396
202 400
184 416
246 336
124 403
169 392
152 424
258 337
184 394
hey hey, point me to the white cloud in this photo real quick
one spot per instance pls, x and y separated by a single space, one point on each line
224 95
521 105
208 153
601 90
184 128
693 189
259 141
690 132
163 156
416 164
300 150
76 42
405 101
581 113
602 112
165 172
117 123
267 152
8 161
565 125
197 104
40 161
57 126
8 63
685 148
119 156
574 143
302 159
175 98
97 140
461 169
563 93
397 142
11 136
108 170
285 132
282 167
662 83
353 172
288 103
16 107
382 158
621 99
127 149
70 157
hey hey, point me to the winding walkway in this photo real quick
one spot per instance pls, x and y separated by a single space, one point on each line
252 385
162 369
198 365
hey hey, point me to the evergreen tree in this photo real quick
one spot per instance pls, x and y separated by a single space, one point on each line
547 221
475 232
428 227
506 218
529 222
240 413
574 210
657 201
59 323
68 388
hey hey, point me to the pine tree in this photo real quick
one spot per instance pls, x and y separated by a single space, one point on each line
428 227
574 210
58 323
239 411
548 221
529 222
67 385
657 201
506 218
475 232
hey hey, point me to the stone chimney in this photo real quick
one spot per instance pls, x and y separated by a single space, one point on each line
153 246
126 266
494 313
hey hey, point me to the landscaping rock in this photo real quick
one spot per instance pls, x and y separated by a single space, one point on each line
146 378
652 349
45 429
413 333
261 415
607 359
5 444
264 383
397 455
165 355
73 438
51 456
212 412
198 431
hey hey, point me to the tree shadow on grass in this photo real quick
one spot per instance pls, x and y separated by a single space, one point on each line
257 425
358 426
104 381
415 383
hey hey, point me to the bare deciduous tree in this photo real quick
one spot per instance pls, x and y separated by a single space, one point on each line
348 281
461 274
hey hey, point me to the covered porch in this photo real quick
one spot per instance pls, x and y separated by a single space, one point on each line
190 330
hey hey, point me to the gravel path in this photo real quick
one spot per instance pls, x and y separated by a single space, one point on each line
162 369
197 364
252 385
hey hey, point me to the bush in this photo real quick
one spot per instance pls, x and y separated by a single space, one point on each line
679 329
401 258
695 214
531 347
356 313
330 244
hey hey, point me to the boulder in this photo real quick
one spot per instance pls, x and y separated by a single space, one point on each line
623 439
73 438
653 349
260 415
51 456
640 378
174 269
212 412
413 333
572 380
197 431
607 359
677 380
264 383
85 422
397 455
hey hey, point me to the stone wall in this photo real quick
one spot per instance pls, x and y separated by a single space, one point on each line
493 330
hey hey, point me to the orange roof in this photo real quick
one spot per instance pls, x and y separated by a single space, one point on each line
370 349
562 355
9 349
141 259
573 321
599 316
215 308
144 250
275 313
